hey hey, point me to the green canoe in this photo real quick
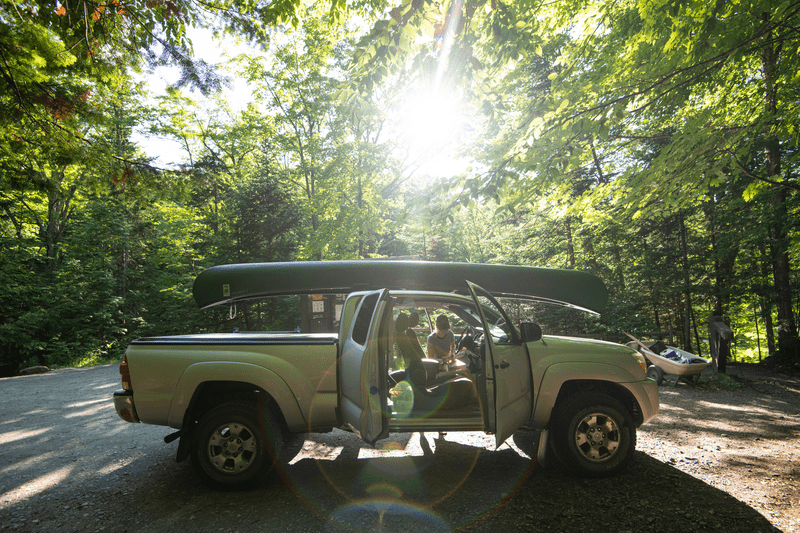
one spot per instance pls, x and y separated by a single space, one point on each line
231 283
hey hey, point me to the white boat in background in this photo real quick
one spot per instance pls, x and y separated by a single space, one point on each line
668 360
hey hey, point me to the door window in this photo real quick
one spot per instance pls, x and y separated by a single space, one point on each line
364 318
501 330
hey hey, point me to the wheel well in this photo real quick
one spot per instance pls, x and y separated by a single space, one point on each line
211 394
616 391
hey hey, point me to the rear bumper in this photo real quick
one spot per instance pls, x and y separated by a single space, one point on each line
123 403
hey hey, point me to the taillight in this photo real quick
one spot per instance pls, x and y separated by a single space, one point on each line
125 373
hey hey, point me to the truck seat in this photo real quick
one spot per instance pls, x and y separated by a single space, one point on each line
443 397
456 397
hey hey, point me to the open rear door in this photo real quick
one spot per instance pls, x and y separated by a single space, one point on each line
362 368
509 381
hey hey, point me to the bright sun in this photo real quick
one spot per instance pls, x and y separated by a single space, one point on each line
431 124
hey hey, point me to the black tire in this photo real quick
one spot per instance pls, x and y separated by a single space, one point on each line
235 445
656 374
593 435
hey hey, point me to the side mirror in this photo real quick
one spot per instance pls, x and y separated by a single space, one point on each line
530 332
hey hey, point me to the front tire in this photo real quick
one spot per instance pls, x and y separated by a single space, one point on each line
235 445
593 435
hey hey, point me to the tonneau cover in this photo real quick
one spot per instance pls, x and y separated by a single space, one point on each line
266 338
231 283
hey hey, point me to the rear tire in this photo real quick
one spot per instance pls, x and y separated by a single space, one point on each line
593 435
235 445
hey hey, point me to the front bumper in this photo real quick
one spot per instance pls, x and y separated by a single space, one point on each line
123 403
646 394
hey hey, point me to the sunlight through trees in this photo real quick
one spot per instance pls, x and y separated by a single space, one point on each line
654 144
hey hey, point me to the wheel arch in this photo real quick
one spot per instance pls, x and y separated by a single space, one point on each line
614 390
195 395
559 383
232 378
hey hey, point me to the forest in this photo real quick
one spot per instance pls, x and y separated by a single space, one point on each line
654 143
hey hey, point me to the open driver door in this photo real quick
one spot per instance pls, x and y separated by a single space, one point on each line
507 368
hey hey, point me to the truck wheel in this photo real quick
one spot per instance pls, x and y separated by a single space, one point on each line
235 445
593 434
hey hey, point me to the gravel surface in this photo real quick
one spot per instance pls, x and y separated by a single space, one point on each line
712 460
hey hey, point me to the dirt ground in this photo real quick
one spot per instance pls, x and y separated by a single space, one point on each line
720 456
742 441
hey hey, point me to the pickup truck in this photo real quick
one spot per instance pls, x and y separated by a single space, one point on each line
240 401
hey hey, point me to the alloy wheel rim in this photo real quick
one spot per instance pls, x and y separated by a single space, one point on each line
232 448
597 437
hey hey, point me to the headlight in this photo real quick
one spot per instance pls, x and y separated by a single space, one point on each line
640 359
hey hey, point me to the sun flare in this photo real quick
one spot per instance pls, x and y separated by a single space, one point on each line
432 121
431 126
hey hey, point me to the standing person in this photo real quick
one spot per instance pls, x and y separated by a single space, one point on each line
442 343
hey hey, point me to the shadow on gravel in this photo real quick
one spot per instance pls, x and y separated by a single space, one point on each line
60 439
455 488
77 467
649 496
55 429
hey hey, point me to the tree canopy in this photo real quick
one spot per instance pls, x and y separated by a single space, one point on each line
652 143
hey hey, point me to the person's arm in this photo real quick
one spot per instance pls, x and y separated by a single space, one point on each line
452 352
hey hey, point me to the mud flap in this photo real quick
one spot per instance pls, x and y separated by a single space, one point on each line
543 454
184 445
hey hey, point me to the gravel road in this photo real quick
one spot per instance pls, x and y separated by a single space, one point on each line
68 463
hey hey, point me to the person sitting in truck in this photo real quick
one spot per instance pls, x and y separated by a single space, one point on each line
438 395
412 359
441 343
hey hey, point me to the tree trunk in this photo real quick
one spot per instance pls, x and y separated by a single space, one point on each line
687 295
59 211
724 262
698 350
658 320
570 245
360 204
788 342
781 269
765 303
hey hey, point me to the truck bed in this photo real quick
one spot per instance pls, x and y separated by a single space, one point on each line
299 369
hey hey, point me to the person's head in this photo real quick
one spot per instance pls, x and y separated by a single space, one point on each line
442 323
401 324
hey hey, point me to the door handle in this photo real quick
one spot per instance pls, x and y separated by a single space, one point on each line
504 364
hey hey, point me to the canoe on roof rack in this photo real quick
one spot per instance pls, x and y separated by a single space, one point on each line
227 284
